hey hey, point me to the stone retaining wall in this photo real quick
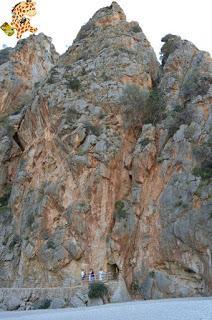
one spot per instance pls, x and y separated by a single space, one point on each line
42 298
54 298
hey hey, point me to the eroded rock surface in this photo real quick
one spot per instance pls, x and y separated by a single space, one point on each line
85 190
21 69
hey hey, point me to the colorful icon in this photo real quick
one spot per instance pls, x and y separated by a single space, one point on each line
21 14
8 30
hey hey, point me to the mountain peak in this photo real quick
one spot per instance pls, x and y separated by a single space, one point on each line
109 15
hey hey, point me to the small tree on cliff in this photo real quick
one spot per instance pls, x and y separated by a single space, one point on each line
141 106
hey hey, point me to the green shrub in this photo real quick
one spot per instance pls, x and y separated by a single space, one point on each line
5 198
119 205
51 244
71 116
204 173
203 152
141 106
3 209
144 142
74 84
135 287
203 156
81 152
81 207
5 216
44 234
30 220
152 274
91 129
155 107
160 159
178 204
4 122
121 214
195 84
120 211
43 304
97 290
83 72
16 240
133 96
53 76
180 115
104 76
189 133
133 99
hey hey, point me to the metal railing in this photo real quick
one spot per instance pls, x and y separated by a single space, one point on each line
30 284
104 277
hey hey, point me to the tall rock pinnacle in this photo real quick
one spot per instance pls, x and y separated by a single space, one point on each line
83 185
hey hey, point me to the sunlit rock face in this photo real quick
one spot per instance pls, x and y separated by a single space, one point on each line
81 189
21 69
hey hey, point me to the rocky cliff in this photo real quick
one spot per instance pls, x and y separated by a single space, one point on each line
106 160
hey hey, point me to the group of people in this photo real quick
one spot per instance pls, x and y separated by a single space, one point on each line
91 277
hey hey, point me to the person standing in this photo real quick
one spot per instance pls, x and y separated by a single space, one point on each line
101 275
91 276
83 275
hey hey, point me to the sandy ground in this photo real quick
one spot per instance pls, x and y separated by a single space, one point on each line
170 309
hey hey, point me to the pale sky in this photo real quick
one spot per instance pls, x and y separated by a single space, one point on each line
62 19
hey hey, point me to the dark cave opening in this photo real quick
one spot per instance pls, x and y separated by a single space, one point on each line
113 269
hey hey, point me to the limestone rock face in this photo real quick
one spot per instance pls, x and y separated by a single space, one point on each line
81 190
21 68
175 179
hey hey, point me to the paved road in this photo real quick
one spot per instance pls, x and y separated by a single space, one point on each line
172 309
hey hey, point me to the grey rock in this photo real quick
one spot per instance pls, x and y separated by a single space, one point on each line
74 249
146 287
95 302
57 303
120 294
80 299
100 147
13 303
162 281
90 141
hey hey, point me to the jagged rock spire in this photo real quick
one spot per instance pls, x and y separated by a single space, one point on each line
109 15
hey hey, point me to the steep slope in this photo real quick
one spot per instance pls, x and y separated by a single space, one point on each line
174 238
21 69
92 187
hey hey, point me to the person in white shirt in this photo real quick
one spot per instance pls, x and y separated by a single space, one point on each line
83 275
101 275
